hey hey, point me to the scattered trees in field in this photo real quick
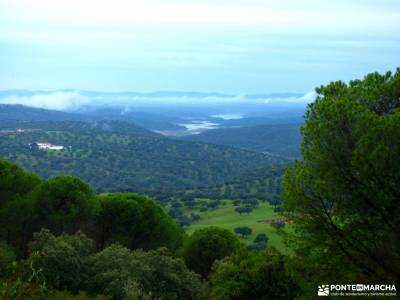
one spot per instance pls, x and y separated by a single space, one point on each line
243 231
260 243
195 217
261 237
243 210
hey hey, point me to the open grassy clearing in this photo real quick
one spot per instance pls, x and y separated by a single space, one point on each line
226 217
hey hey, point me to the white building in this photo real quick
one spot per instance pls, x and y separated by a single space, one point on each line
49 146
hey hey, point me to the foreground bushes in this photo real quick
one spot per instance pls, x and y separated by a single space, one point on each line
62 259
253 275
68 263
7 258
68 267
119 272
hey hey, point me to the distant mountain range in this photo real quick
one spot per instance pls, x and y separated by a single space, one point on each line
24 93
72 100
26 113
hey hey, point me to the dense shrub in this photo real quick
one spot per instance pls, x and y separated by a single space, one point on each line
118 272
7 258
62 258
253 275
64 295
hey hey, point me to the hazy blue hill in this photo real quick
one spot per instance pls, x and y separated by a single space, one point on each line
114 156
146 119
25 113
274 95
167 94
12 112
280 139
112 126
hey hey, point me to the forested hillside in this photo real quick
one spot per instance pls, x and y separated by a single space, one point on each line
261 184
278 139
117 156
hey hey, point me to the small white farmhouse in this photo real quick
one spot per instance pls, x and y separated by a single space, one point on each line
49 146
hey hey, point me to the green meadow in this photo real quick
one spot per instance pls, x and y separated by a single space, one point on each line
226 217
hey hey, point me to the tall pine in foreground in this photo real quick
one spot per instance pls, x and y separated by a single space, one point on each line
343 197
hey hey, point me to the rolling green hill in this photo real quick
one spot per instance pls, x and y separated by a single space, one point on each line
116 156
278 139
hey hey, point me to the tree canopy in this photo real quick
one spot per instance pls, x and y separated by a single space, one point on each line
253 275
206 245
136 222
343 196
63 204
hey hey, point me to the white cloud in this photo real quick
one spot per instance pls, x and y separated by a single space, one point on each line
309 97
56 100
61 100
306 98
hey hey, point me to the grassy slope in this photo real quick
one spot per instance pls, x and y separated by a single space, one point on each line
226 217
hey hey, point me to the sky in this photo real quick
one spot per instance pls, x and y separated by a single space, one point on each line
227 46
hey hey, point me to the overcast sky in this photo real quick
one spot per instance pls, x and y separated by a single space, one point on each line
235 46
